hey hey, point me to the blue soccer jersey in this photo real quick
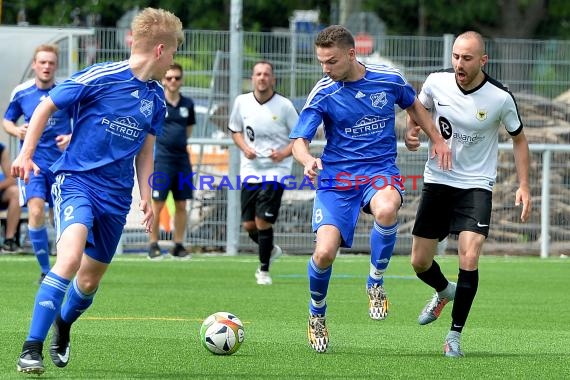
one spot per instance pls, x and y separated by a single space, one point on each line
108 134
359 122
23 102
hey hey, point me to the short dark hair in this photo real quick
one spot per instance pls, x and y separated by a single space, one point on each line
263 62
176 66
335 35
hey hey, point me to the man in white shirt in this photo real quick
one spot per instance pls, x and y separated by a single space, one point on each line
260 122
469 107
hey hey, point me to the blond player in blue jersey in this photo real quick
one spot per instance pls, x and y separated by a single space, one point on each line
119 107
357 106
469 107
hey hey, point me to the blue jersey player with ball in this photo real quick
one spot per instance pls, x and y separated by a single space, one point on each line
357 106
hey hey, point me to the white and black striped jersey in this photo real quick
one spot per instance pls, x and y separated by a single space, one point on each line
265 127
469 121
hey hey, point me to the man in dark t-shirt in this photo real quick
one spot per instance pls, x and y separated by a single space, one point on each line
172 161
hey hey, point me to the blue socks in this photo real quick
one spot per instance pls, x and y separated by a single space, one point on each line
40 243
76 303
318 286
48 303
382 242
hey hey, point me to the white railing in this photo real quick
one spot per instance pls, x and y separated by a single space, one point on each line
209 227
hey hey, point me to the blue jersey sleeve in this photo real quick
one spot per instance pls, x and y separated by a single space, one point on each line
311 116
67 94
14 111
309 120
407 96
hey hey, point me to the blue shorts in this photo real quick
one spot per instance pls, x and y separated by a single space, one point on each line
339 205
39 186
76 200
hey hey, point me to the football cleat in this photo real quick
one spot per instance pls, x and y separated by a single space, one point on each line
377 302
31 358
275 253
263 277
452 345
59 347
317 332
433 309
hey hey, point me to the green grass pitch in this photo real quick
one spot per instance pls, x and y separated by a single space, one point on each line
145 321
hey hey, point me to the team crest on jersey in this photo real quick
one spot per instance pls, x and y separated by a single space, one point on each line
184 112
379 99
146 107
481 115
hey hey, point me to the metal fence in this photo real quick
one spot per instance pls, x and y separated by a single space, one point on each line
537 72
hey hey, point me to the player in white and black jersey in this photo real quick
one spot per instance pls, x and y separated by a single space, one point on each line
260 122
469 107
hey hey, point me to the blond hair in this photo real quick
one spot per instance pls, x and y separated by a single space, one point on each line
153 26
50 48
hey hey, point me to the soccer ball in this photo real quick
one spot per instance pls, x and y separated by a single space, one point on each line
222 333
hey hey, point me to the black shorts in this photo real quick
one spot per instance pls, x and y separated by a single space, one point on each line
176 177
262 200
445 210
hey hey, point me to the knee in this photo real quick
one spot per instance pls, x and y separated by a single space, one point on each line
386 214
12 194
420 263
36 215
324 257
180 207
249 226
87 284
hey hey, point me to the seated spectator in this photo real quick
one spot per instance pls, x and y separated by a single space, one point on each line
9 201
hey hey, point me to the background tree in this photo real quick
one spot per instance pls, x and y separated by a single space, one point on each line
258 15
497 19
503 18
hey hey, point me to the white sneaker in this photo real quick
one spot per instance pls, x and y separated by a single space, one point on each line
275 253
263 277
